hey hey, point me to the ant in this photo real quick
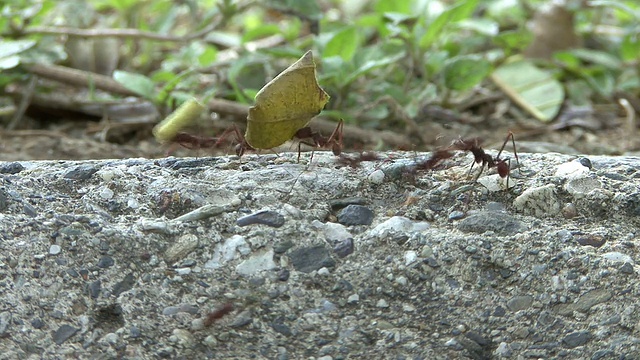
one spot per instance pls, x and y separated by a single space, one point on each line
217 314
503 166
242 145
318 141
355 160
191 142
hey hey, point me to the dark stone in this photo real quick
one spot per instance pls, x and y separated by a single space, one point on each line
344 248
576 339
472 335
281 328
29 210
4 200
37 323
456 215
337 204
105 262
311 258
82 172
94 289
355 215
283 275
602 354
11 168
125 285
265 217
499 311
499 222
627 268
592 240
282 247
63 333
585 162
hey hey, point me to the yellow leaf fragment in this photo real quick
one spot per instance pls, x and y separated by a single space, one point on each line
285 105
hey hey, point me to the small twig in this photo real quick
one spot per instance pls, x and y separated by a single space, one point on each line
27 95
117 33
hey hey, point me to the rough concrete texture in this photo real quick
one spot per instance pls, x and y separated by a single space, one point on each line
212 258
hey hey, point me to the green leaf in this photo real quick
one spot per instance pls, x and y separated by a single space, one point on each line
630 47
533 89
458 12
598 57
343 44
464 72
137 83
383 6
14 47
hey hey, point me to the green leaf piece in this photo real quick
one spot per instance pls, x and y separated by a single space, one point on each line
532 88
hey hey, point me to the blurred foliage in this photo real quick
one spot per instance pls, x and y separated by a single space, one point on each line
417 52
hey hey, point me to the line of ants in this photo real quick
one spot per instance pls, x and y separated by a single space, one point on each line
309 137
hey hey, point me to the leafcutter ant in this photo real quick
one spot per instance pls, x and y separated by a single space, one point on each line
503 166
355 160
217 314
318 141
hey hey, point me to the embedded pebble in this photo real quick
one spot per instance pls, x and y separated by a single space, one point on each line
11 168
308 259
260 261
54 249
265 217
355 215
498 222
541 201
63 333
82 172
376 177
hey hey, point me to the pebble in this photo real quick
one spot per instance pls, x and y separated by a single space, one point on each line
227 251
382 303
576 339
335 232
410 257
181 248
498 222
376 177
63 333
617 257
344 248
308 259
81 172
518 303
353 299
256 263
55 249
456 215
265 217
124 285
355 215
106 193
541 201
106 262
11 168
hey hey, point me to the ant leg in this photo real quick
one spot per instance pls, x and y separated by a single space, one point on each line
513 143
336 138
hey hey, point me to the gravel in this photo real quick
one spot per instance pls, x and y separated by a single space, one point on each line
265 257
